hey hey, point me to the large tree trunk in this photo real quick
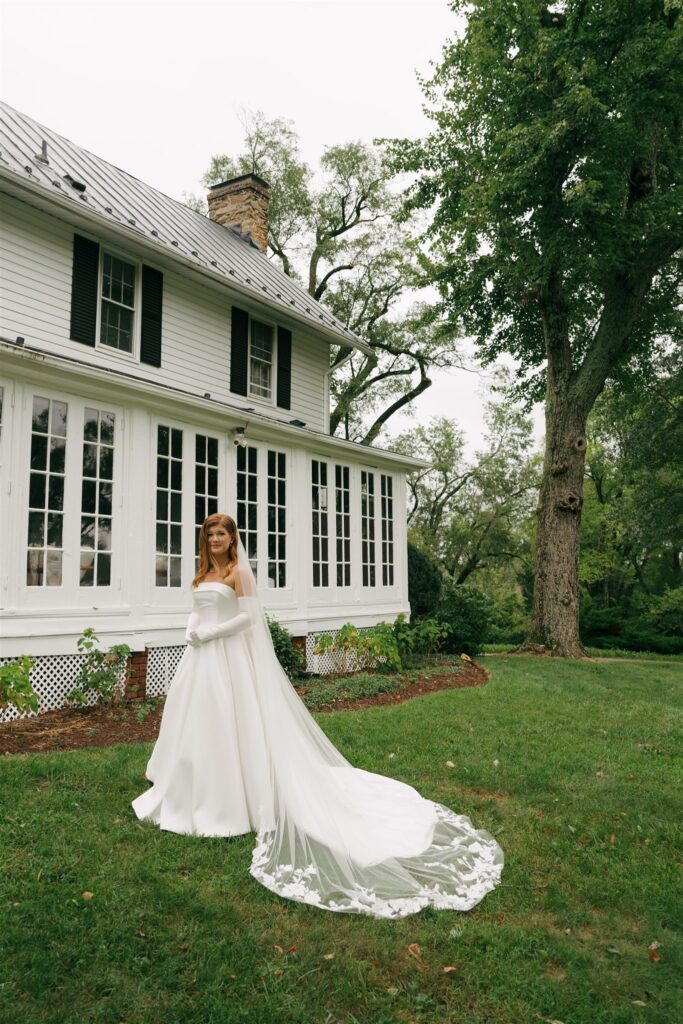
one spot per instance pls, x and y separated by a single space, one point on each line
555 624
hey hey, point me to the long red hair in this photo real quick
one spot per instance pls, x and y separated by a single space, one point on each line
205 562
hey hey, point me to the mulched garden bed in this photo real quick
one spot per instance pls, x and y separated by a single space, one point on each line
138 721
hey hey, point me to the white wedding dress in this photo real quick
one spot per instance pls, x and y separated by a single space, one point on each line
237 751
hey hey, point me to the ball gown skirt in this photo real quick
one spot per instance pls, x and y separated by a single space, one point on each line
237 751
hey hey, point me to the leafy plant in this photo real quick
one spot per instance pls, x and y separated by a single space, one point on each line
145 709
419 639
355 650
102 673
325 693
291 659
15 685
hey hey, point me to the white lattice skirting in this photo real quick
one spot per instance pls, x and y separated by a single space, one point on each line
161 665
331 661
52 677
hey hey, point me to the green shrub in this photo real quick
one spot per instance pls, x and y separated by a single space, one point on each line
323 693
467 612
424 583
291 659
103 674
655 623
510 620
15 686
355 650
418 639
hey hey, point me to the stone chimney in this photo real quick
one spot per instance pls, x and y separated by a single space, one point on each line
242 203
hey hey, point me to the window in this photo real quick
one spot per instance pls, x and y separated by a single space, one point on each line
343 517
97 498
261 361
247 507
46 493
169 506
205 481
115 299
387 518
117 309
277 515
367 519
321 568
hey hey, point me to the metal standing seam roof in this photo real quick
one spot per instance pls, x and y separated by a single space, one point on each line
121 199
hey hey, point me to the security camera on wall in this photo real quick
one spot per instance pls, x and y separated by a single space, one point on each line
238 438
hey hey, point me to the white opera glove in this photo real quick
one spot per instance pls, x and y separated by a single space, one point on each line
238 623
192 624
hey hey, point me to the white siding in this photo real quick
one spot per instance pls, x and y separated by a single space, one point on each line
35 268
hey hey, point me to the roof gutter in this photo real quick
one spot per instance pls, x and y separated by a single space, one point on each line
90 216
159 395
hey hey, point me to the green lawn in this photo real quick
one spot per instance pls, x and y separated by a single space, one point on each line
572 766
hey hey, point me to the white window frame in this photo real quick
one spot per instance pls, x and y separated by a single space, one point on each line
273 368
69 598
134 355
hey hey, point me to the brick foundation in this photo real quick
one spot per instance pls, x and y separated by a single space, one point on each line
135 685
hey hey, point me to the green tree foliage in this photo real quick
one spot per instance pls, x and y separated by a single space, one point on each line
424 583
338 232
467 515
468 613
632 544
554 173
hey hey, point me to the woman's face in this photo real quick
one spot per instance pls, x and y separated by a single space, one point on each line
219 540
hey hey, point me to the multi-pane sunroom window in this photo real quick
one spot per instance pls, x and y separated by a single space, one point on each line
46 493
117 313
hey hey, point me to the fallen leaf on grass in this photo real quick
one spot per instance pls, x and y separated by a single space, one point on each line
449 764
328 956
655 956
655 945
612 840
613 950
88 895
278 949
450 969
600 775
415 950
638 1002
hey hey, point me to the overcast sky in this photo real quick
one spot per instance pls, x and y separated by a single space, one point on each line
157 87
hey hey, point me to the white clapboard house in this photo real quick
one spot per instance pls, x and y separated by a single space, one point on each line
155 366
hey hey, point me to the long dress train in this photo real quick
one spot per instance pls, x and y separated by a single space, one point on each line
238 751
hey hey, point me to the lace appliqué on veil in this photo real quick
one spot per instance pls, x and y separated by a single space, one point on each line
463 865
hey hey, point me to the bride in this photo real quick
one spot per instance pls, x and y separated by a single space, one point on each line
237 751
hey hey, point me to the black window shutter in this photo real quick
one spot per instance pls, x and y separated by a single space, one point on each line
84 288
150 326
239 351
284 368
